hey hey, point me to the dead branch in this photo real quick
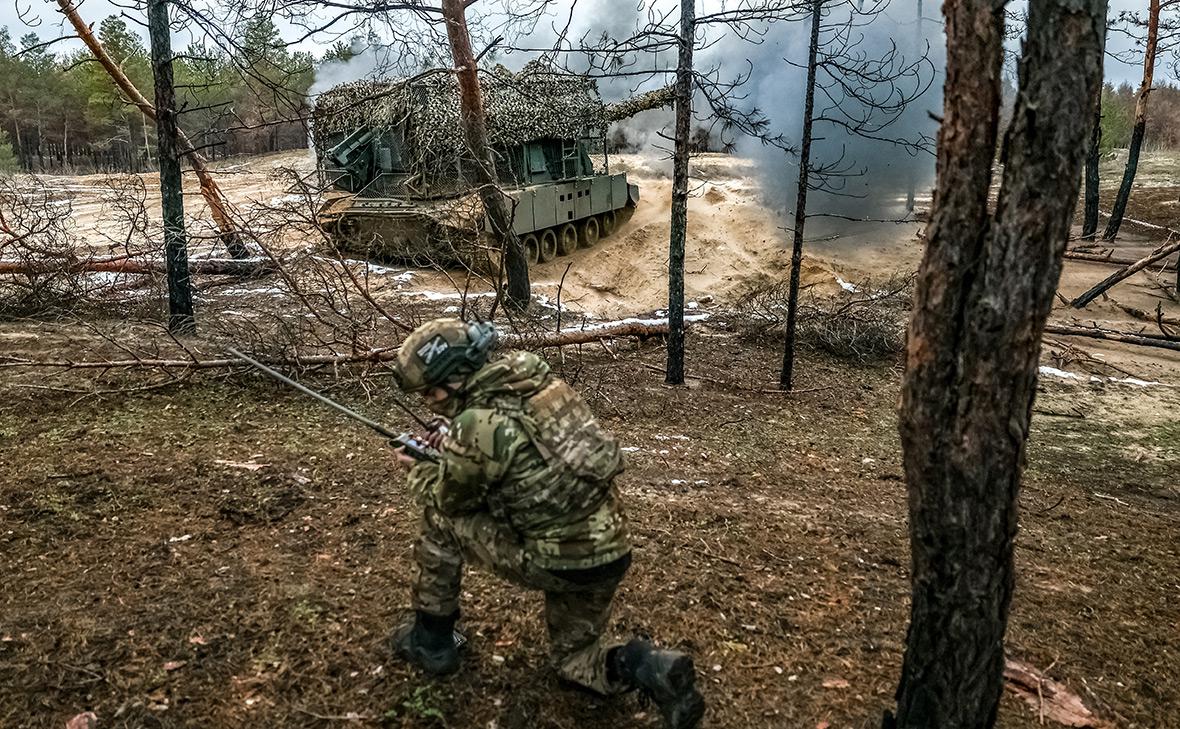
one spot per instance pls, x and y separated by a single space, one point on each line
1143 340
612 330
123 264
1157 317
1050 699
1144 224
218 206
1171 246
1076 255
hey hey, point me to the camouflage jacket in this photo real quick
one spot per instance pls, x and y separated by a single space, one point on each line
527 449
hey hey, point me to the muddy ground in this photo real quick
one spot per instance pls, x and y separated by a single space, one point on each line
217 552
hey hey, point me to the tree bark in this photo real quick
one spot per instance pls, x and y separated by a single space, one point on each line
1137 133
984 292
474 119
218 207
786 377
674 371
180 292
1093 157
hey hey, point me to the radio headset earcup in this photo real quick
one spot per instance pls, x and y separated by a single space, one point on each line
482 338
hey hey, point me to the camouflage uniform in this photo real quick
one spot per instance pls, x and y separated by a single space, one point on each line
524 489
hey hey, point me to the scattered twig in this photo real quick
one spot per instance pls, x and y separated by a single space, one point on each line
1115 499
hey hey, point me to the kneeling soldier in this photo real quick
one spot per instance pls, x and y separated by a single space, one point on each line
524 488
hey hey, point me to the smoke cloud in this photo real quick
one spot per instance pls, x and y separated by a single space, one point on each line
878 174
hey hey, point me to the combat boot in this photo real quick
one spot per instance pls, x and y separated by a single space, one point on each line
665 677
430 643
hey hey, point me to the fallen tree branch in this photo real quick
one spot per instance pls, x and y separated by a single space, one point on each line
1167 249
1108 258
1143 340
1145 224
122 264
569 337
1156 318
1048 698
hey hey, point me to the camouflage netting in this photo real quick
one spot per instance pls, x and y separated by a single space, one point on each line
536 103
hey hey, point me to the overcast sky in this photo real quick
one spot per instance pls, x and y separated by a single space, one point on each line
48 24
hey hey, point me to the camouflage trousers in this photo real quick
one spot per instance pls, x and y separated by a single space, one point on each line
575 614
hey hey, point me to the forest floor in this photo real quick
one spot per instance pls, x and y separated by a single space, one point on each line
218 552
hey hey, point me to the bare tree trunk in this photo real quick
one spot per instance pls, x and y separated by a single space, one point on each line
1093 158
984 292
495 202
674 372
911 174
1139 131
180 292
786 377
218 207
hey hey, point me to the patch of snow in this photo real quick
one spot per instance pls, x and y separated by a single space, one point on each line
261 291
289 199
629 449
440 296
846 286
634 320
1054 372
1062 374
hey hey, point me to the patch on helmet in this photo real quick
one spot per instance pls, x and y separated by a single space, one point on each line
431 350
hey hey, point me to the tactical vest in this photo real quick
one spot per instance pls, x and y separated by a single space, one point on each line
568 437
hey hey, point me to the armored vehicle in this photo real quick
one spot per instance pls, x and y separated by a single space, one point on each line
401 183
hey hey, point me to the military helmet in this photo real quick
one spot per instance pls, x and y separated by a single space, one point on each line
442 349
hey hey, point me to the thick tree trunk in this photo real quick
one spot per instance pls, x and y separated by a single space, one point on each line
180 292
496 204
1120 202
984 291
218 207
674 372
786 377
1093 157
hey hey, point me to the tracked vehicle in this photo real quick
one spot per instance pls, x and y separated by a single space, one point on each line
401 183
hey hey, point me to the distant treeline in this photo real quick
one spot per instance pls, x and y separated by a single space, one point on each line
1163 117
61 112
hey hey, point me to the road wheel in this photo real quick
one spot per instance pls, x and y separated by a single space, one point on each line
567 239
532 248
548 248
606 224
588 235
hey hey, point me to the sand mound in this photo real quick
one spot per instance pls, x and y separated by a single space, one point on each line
735 242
